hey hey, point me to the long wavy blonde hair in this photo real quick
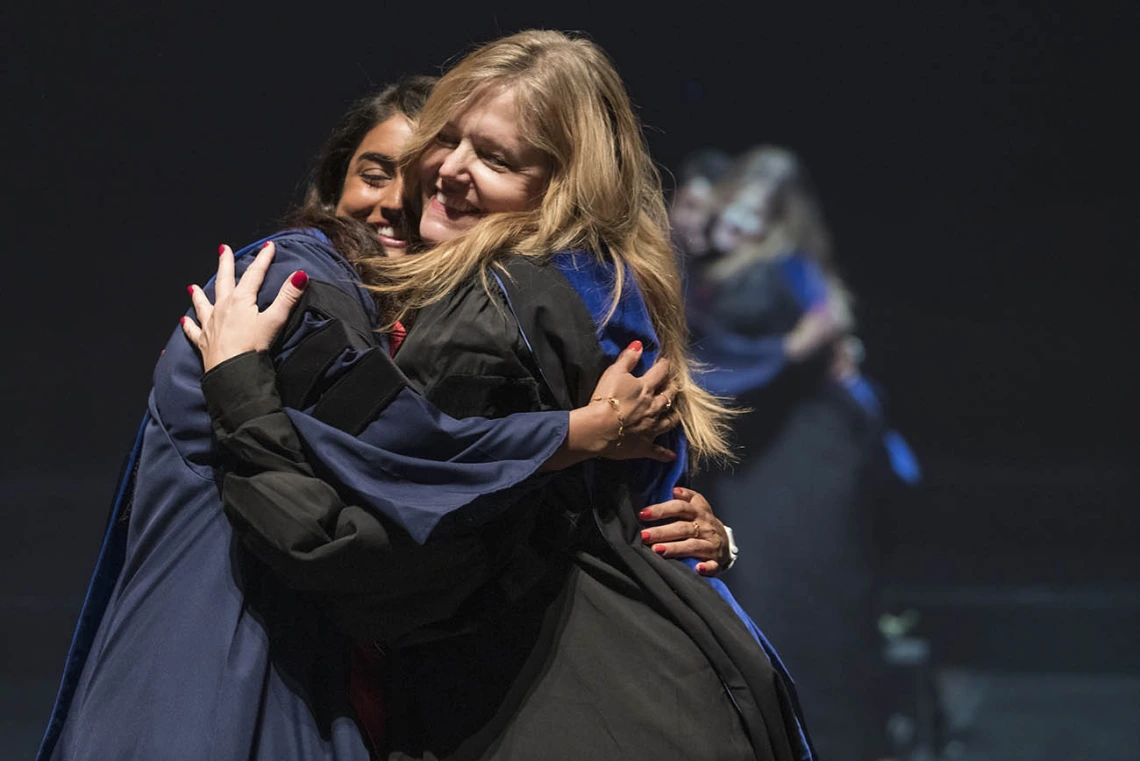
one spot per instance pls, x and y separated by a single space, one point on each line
795 222
603 195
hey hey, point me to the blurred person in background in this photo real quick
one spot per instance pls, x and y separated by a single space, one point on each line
695 201
772 320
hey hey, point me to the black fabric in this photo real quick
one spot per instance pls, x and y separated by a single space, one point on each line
378 583
548 633
331 302
549 307
302 371
467 357
576 667
361 394
816 588
800 505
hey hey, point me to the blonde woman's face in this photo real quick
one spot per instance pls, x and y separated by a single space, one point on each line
744 219
479 165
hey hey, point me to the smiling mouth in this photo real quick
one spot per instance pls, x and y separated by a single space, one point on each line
389 237
454 206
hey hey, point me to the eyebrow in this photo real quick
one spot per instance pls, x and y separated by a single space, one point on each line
485 142
379 158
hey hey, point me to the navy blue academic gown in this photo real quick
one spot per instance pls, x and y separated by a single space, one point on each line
188 650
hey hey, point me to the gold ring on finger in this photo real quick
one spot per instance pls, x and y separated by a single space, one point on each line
668 403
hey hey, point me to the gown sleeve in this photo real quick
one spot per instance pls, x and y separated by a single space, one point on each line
295 521
304 530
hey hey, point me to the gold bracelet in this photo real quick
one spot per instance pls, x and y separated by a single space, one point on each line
616 405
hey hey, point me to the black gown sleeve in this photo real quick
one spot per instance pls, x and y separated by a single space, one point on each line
306 532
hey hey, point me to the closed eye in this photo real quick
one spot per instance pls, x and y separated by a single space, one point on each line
496 160
376 179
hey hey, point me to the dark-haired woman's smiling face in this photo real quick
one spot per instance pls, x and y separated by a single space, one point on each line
373 188
479 165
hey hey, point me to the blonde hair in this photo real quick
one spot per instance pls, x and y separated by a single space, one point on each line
795 219
604 195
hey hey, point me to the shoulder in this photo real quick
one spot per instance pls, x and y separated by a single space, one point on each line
311 251
303 247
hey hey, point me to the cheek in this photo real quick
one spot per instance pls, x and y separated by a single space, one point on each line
357 199
429 169
439 229
510 192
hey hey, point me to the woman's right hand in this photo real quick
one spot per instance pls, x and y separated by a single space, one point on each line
817 329
234 324
641 411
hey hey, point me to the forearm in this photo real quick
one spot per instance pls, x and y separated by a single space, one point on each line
816 331
591 429
296 522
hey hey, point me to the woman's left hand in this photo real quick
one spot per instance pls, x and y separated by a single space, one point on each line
692 531
234 324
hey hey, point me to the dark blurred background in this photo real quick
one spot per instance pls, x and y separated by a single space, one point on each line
978 167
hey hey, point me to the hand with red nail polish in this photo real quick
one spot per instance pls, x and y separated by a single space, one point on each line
685 527
628 412
234 324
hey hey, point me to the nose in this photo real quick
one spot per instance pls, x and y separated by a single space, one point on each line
392 196
454 166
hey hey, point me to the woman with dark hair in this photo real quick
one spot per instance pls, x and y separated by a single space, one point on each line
542 249
188 648
772 320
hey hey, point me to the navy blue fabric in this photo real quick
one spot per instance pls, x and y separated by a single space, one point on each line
178 665
197 653
422 471
102 584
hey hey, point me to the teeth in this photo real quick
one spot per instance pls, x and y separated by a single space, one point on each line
456 204
386 231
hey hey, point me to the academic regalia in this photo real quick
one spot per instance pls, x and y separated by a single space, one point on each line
568 638
801 499
187 647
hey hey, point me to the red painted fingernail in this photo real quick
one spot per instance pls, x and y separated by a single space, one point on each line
221 249
266 244
659 549
700 567
645 514
190 289
181 321
645 536
299 279
672 456
678 491
634 346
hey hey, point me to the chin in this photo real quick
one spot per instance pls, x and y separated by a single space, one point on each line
438 231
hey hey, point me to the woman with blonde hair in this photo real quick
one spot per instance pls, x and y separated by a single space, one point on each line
186 647
772 321
542 250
